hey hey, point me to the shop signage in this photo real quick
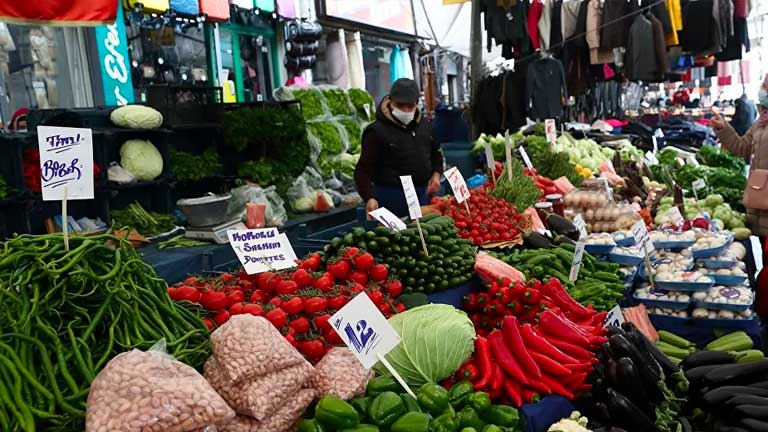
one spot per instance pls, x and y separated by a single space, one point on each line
526 159
508 153
59 12
114 62
261 250
66 163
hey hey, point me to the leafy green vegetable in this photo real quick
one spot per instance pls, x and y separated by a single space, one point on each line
329 136
337 101
344 163
539 129
311 102
146 222
4 188
497 144
142 159
354 132
261 172
360 98
713 157
520 191
436 339
188 166
555 165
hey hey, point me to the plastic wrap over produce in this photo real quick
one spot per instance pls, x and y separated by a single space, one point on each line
283 420
152 392
262 396
340 374
248 346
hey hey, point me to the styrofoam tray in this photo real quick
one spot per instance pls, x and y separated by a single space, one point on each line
673 244
684 286
627 260
625 242
598 249
729 280
712 252
662 303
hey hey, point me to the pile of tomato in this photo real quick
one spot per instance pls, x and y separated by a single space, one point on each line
300 301
489 219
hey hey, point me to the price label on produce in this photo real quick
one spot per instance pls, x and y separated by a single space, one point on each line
608 189
526 159
639 231
489 160
388 219
578 222
577 256
411 197
650 159
648 245
66 163
675 216
365 330
699 184
550 128
458 185
757 253
508 153
614 318
261 250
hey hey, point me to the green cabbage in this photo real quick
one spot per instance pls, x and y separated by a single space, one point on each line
141 158
436 339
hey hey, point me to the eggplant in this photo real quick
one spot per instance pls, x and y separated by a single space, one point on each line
752 411
612 374
716 397
696 375
728 428
761 384
706 358
666 364
637 339
561 239
650 372
612 330
754 425
747 400
561 225
633 385
624 412
534 240
742 373
686 425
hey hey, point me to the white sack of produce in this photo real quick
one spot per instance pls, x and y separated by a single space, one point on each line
264 394
340 374
247 346
283 420
152 392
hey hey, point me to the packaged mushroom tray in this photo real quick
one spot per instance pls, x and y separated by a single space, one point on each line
667 261
630 273
600 213
728 276
737 299
683 280
629 256
656 298
599 243
710 244
729 259
716 316
672 240
624 238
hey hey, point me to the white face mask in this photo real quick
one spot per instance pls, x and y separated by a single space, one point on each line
404 117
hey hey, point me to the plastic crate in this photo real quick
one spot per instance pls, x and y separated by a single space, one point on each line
107 144
186 105
14 219
97 117
11 162
188 7
153 196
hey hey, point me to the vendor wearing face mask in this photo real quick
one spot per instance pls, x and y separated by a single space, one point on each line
398 143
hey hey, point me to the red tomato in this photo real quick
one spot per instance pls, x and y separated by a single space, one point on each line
277 317
258 296
339 270
364 261
336 303
235 297
299 325
287 287
324 283
351 252
187 293
322 322
213 300
400 308
208 323
315 304
357 288
236 309
312 262
266 281
394 288
301 277
172 292
293 306
292 340
376 297
253 309
277 302
226 277
332 337
245 284
379 272
359 277
192 280
313 349
221 317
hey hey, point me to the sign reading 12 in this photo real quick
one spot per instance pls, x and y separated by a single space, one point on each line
361 337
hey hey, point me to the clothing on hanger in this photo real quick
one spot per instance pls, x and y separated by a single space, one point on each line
641 63
545 24
616 24
546 89
534 15
597 55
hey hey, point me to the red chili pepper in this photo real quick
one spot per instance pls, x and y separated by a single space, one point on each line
505 358
553 325
447 383
500 307
518 291
485 370
579 367
530 396
516 307
599 318
514 341
550 366
570 349
493 289
514 392
482 299
539 387
556 387
506 295
497 383
575 380
538 344
555 291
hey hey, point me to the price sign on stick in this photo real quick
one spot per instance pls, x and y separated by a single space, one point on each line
526 159
388 219
508 154
66 167
578 221
490 161
614 318
458 185
414 207
757 253
367 333
639 231
261 250
699 184
675 216
550 128
577 256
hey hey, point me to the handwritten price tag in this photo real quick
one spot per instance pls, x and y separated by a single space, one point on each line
388 219
674 215
411 197
577 256
578 221
550 128
614 318
458 185
489 156
526 159
365 330
66 163
699 184
508 153
261 250
639 231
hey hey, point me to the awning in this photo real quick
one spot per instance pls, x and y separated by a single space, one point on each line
59 12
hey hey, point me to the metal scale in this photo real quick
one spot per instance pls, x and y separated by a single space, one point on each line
215 233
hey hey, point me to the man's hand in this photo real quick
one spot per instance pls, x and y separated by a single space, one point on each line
371 206
717 121
434 184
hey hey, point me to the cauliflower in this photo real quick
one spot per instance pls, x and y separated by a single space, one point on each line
574 423
142 159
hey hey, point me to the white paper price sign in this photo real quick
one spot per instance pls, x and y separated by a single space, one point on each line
648 245
650 159
578 221
675 216
577 256
66 163
757 253
608 189
699 184
388 219
639 231
458 185
550 128
261 250
508 153
614 318
411 197
489 160
526 159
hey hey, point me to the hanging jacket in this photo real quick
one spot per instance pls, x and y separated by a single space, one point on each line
597 55
676 18
568 17
657 8
545 24
534 14
700 30
641 63
659 43
616 24
546 89
556 28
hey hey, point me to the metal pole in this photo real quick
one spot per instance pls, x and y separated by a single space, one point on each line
476 54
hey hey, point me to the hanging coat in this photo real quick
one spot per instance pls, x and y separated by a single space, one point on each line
597 55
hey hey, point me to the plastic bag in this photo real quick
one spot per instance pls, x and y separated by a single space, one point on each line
248 346
300 195
283 420
151 391
338 101
340 374
313 103
275 214
331 134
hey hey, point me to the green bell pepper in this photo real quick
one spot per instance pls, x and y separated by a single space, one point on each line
444 423
460 392
381 384
310 425
449 410
386 408
361 405
492 428
411 422
469 429
480 401
362 428
501 415
468 417
410 403
433 398
335 413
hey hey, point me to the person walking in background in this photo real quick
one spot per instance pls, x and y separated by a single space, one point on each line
398 143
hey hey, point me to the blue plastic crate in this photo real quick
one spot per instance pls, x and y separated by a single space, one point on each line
725 323
666 304
723 306
712 252
598 249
